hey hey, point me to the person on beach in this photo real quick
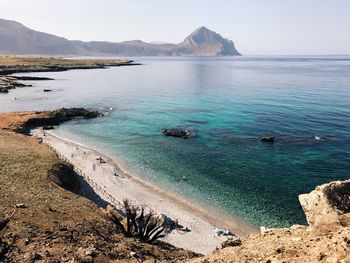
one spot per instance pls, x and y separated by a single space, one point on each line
93 166
100 159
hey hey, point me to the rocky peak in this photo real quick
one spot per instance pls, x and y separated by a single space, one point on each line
206 42
201 35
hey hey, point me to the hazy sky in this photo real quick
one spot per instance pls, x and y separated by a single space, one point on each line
256 26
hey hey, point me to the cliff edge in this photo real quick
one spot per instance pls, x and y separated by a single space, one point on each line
325 239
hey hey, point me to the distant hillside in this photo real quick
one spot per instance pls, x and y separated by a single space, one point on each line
16 38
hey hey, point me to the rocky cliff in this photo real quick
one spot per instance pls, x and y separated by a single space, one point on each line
204 42
325 239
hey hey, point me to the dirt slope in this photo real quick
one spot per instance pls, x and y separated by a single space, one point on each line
52 224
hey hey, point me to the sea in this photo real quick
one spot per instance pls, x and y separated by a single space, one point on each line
229 103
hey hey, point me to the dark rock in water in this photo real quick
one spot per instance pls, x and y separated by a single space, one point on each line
178 133
47 90
48 128
4 90
268 139
63 174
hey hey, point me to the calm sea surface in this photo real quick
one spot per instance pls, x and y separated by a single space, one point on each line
229 103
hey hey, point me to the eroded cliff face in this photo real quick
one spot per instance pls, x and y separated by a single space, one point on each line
327 208
326 238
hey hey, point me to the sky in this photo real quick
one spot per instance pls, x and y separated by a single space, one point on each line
257 27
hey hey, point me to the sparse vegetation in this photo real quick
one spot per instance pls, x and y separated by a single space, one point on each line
138 221
5 247
55 224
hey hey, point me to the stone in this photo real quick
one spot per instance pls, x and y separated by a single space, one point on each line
21 205
232 242
48 127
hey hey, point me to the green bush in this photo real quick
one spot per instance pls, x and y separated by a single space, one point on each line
140 222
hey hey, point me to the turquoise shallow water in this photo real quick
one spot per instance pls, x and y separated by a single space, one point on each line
229 103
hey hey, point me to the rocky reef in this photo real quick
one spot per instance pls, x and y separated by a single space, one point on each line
12 82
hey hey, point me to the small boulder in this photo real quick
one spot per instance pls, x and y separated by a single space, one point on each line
232 242
21 205
48 127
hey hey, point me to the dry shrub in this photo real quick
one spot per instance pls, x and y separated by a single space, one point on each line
5 247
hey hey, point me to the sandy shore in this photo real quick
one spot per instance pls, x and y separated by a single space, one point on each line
114 189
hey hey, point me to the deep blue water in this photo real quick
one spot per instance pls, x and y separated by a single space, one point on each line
229 103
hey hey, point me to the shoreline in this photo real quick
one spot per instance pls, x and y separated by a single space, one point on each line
201 239
10 65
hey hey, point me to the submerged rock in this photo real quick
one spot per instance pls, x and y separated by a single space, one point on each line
268 139
178 133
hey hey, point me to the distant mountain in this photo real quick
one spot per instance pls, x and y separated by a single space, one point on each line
16 38
204 42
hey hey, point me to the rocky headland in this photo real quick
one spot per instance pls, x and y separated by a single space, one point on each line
23 122
16 64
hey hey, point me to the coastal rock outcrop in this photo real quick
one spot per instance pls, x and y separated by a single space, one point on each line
185 134
7 83
325 239
56 117
327 207
11 82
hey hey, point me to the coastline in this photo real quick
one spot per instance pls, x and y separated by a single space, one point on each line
27 64
114 189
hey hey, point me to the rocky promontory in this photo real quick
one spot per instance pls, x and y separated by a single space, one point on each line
23 122
16 64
